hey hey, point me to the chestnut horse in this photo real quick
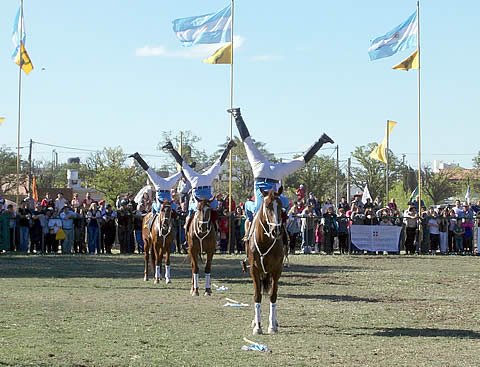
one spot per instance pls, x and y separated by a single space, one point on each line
158 241
265 253
202 238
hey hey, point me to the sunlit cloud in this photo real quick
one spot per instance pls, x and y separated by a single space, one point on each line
187 52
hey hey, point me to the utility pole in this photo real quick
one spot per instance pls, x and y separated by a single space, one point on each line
30 166
336 183
349 161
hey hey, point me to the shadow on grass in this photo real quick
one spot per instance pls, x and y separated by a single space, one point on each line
331 297
132 267
425 333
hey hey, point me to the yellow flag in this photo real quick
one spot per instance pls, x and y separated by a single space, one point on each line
1 120
411 62
34 189
379 152
221 56
27 65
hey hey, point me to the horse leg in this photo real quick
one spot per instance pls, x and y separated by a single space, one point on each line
208 270
158 265
195 270
273 323
147 259
257 283
167 264
152 258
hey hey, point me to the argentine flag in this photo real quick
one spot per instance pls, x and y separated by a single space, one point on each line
208 28
16 39
398 39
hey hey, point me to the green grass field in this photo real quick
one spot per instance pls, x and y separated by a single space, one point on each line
332 310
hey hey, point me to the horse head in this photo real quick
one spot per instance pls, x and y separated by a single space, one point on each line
272 212
203 213
165 215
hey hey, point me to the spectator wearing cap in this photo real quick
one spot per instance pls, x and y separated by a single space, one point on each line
60 202
67 216
311 201
300 192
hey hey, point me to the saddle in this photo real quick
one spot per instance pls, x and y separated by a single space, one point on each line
149 222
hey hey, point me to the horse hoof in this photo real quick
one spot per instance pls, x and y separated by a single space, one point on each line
145 279
208 292
257 331
156 281
167 280
195 293
272 330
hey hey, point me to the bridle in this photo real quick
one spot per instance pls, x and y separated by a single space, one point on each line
271 226
198 225
161 227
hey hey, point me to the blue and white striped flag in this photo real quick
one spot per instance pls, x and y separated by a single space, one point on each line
398 39
18 26
208 28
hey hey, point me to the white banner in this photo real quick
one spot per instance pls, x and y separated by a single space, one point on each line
376 238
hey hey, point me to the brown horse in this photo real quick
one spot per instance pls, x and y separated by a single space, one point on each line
265 254
202 238
158 241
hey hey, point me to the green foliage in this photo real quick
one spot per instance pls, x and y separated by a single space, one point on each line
438 186
190 152
318 176
371 172
8 171
111 175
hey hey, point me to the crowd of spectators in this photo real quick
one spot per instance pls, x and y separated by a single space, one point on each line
84 225
447 229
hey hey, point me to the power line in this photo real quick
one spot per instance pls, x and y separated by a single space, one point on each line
64 147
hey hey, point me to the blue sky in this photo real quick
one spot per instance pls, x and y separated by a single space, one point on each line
115 74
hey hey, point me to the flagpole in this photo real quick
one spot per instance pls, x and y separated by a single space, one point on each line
419 134
19 101
231 138
386 165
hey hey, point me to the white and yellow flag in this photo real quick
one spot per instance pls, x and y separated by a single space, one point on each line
379 153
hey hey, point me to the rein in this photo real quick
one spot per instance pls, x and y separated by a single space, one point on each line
160 227
197 227
268 233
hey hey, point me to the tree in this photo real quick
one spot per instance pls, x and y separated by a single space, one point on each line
438 186
111 176
8 172
372 172
190 153
318 176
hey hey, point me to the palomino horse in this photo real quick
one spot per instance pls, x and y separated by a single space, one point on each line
265 254
202 238
158 241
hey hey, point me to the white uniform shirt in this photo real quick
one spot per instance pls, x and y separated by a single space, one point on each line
263 168
161 183
204 179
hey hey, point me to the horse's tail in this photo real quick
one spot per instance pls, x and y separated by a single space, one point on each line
267 283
